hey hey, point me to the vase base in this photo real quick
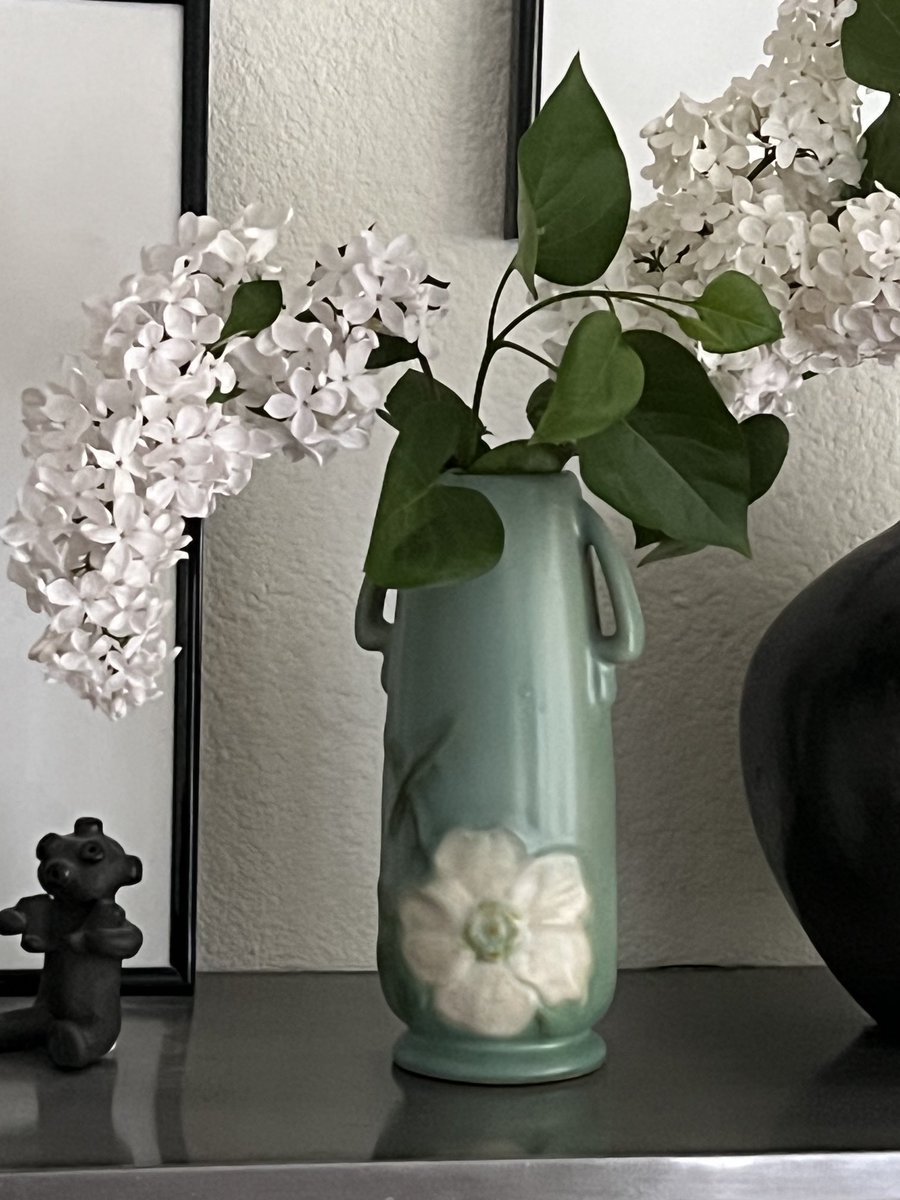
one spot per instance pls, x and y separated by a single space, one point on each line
478 1061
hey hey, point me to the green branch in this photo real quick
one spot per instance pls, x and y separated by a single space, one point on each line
427 372
545 362
490 343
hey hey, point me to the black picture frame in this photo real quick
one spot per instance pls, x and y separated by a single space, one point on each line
179 976
524 96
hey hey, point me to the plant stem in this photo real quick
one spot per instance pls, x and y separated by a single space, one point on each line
490 342
427 372
766 161
493 344
652 301
650 298
492 317
545 362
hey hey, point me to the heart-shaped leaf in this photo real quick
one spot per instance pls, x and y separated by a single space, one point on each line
665 548
599 381
426 533
883 150
391 350
732 314
574 196
678 462
538 402
413 391
522 458
870 43
766 438
254 307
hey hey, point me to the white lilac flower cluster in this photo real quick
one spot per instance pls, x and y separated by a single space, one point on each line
167 409
755 180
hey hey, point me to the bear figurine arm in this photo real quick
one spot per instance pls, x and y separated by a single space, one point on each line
12 921
107 932
29 917
123 942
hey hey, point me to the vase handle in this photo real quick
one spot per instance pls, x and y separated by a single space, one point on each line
372 631
627 642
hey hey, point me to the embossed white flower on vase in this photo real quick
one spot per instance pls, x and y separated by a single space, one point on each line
496 933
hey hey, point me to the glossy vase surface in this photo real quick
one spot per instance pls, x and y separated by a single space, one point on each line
497 891
820 743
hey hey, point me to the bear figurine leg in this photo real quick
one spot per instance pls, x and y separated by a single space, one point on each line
23 1029
76 1044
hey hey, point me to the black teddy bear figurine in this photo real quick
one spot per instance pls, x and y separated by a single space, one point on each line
84 936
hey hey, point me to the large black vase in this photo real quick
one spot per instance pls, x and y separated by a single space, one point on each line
820 744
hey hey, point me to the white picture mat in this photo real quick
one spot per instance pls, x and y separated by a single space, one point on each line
90 142
639 55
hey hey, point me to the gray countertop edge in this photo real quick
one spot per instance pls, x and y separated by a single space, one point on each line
846 1176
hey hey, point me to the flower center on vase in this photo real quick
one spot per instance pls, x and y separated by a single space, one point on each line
492 931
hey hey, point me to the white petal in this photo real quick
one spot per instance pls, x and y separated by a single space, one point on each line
148 545
328 400
550 891
303 425
232 437
556 961
392 317
485 862
190 421
486 999
436 958
281 405
127 512
102 534
439 907
359 310
289 334
161 493
61 591
432 920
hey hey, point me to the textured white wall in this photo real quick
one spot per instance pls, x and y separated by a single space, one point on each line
360 111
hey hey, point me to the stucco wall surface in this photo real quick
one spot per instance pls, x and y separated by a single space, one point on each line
359 112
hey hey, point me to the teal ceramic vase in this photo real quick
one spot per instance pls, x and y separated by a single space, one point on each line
497 891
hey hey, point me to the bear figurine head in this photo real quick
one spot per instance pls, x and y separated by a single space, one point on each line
85 865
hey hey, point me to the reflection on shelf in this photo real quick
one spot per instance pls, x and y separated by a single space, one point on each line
459 1121
116 1113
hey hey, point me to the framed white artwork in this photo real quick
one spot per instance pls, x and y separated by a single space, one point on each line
103 116
639 56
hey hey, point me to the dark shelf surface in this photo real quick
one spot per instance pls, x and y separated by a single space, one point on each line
719 1083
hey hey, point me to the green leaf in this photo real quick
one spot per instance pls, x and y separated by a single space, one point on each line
391 350
526 259
766 438
678 462
538 401
870 43
427 531
883 150
667 547
255 306
217 396
732 314
574 197
413 391
599 381
522 458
